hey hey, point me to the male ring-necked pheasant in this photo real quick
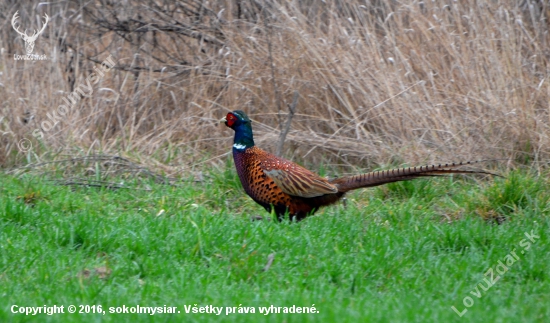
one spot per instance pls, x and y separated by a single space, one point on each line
274 182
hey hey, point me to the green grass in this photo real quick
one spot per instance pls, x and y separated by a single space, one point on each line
404 252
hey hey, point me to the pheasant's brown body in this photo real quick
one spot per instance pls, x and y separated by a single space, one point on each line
283 186
252 165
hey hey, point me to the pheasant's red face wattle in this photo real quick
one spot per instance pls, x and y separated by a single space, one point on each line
230 119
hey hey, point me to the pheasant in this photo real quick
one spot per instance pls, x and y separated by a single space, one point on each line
282 186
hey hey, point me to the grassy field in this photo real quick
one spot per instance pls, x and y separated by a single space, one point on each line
405 252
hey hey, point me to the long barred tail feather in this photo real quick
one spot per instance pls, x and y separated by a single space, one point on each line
348 183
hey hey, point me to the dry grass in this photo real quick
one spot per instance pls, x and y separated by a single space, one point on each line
390 82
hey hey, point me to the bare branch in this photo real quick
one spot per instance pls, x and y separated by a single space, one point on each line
270 259
291 111
269 31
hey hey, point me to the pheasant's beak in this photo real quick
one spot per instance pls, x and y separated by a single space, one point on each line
223 120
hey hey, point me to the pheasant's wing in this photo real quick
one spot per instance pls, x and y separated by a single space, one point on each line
295 180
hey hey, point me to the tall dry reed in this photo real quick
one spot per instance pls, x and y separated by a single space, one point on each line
379 81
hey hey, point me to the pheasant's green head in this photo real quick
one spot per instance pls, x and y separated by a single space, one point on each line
239 121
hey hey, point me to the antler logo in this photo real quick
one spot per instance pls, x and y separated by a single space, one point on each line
29 40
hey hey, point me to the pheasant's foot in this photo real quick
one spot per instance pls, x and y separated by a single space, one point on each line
259 218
